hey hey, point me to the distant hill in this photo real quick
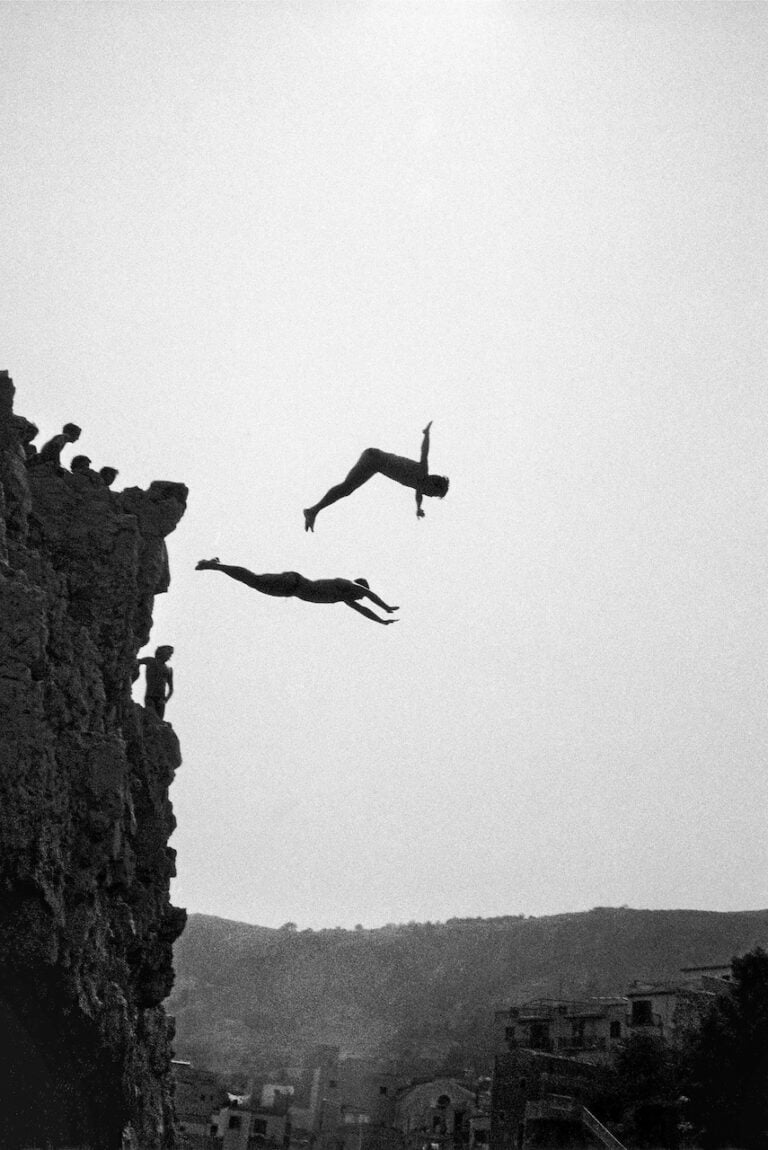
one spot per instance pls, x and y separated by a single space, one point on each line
249 997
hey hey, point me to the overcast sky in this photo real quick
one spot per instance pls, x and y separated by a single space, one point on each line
241 243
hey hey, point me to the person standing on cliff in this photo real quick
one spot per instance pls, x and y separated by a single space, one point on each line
159 679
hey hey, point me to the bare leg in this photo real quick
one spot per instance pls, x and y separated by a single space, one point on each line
365 468
369 614
284 584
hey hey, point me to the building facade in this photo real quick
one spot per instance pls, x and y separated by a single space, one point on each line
198 1095
524 1076
668 1010
249 1127
588 1029
436 1115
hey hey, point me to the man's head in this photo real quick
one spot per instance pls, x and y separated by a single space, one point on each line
108 474
163 653
72 431
80 463
436 486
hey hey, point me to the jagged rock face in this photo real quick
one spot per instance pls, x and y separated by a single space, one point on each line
86 924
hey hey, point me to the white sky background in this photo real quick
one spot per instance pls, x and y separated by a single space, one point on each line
243 242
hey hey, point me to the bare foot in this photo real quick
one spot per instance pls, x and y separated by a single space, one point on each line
206 565
309 519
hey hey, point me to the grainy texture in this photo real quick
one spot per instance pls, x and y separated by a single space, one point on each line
86 923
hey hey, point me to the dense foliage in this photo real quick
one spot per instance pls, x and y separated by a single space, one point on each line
711 1090
727 1061
640 1097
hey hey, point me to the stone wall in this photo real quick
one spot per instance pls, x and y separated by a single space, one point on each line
86 923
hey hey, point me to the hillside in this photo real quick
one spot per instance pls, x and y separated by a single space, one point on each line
248 996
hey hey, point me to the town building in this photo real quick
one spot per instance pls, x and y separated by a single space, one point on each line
313 1088
670 1009
522 1077
435 1115
245 1126
197 1096
357 1106
588 1029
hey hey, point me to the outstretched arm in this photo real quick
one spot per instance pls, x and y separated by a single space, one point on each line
424 467
379 602
425 448
369 614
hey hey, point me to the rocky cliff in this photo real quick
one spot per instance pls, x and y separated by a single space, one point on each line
86 924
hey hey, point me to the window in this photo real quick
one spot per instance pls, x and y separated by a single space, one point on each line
641 1012
259 1126
332 1083
382 1090
539 1036
615 1030
235 1121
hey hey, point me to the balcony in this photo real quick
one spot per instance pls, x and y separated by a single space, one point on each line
646 1022
576 1042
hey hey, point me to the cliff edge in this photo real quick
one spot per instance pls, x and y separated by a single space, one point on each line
86 923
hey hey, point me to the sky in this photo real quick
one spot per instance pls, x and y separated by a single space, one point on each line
243 242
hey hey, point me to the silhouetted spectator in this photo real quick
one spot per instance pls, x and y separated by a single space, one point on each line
159 679
109 475
81 466
50 451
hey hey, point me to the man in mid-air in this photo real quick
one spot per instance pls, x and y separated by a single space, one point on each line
290 584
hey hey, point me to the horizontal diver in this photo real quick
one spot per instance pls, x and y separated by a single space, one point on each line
289 584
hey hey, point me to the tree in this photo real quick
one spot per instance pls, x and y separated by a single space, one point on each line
648 1087
638 1097
728 1060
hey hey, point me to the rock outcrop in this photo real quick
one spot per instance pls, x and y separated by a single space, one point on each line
86 923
